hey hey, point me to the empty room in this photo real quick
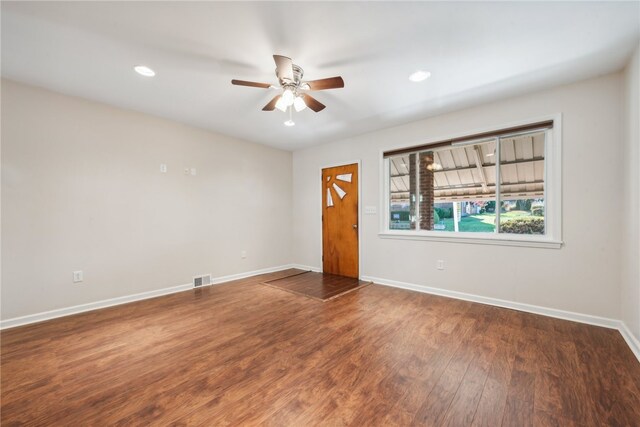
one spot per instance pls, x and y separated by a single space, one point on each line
320 213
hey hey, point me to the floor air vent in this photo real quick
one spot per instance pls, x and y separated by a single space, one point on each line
199 281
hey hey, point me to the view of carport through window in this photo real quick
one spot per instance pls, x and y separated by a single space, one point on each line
453 188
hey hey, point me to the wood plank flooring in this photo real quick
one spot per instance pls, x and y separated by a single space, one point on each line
247 354
322 287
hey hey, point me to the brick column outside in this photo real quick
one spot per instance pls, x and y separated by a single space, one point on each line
412 190
426 191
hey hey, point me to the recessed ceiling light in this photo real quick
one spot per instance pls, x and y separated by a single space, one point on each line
289 123
144 71
419 76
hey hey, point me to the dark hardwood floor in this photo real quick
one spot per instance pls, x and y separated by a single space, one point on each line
245 354
323 287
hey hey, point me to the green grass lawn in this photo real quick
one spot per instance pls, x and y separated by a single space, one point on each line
481 222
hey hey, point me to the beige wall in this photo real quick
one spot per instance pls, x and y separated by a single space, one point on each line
82 190
583 276
631 217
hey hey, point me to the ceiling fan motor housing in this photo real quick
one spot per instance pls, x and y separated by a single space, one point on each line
298 72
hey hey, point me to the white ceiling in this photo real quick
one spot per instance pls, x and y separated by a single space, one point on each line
476 52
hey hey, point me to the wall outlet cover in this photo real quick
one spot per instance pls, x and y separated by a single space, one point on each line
78 276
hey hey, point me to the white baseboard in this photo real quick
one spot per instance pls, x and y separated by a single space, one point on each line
60 312
545 311
551 312
631 340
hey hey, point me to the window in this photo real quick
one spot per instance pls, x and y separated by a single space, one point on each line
454 189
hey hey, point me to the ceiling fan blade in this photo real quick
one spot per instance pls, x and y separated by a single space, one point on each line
313 103
322 84
251 84
272 104
284 66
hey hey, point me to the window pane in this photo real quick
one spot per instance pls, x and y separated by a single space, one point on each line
402 193
522 209
473 216
464 186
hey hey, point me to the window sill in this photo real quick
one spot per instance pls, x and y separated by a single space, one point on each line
470 238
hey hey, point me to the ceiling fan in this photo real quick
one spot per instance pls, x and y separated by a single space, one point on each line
294 90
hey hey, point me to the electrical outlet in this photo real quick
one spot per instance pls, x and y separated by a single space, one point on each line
163 168
440 264
193 171
77 276
243 254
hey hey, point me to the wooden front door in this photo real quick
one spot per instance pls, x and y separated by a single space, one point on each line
340 220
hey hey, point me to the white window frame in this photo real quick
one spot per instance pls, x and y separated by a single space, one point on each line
552 187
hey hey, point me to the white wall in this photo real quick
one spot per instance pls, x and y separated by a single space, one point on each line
631 235
82 190
583 276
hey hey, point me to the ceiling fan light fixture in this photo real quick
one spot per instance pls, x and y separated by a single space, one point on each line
419 76
281 105
289 123
290 82
288 97
299 104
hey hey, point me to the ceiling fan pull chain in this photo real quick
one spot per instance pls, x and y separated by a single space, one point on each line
290 122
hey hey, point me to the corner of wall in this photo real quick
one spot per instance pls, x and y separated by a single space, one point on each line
630 289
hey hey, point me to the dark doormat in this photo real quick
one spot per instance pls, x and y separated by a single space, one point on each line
319 286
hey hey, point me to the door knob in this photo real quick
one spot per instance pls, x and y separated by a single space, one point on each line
355 225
